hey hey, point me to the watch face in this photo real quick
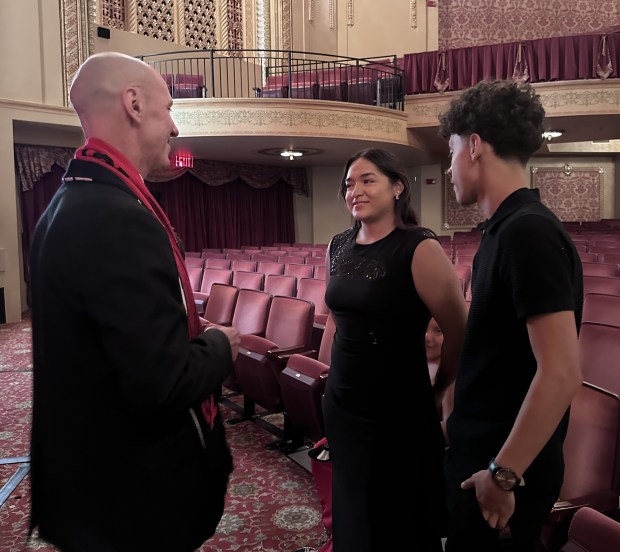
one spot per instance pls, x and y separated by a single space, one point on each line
506 479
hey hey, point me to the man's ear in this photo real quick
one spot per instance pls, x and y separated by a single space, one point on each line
132 104
475 146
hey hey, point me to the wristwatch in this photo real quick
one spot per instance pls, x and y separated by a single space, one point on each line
505 478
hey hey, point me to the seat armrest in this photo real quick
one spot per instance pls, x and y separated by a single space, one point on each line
284 354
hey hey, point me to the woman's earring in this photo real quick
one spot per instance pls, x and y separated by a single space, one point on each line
397 197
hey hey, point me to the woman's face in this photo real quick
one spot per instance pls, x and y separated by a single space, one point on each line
434 341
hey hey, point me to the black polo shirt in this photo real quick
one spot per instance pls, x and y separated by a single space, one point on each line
526 265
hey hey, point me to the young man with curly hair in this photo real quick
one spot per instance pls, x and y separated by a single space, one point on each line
519 367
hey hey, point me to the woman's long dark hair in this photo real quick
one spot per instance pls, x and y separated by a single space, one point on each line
389 165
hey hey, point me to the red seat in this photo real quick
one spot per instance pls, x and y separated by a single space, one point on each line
333 83
262 359
303 382
269 267
281 285
599 351
194 262
592 531
600 269
601 309
304 84
314 291
221 304
591 461
299 270
195 277
248 280
189 86
245 266
210 276
249 318
319 272
609 258
601 284
222 264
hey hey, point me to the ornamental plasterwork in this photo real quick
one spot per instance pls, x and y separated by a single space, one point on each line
558 99
77 37
286 25
194 121
413 14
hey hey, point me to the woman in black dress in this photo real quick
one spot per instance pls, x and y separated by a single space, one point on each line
387 276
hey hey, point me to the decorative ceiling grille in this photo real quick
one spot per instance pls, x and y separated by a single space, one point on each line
113 14
156 19
200 24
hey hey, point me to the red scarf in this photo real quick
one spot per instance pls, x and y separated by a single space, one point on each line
99 152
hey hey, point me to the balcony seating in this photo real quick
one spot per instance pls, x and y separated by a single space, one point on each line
189 86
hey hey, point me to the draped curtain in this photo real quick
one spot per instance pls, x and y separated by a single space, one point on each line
226 216
212 205
546 59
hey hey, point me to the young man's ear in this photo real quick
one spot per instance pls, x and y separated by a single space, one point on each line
475 146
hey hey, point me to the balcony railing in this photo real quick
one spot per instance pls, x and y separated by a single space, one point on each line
281 74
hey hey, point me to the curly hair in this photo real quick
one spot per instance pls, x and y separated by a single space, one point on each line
507 115
389 165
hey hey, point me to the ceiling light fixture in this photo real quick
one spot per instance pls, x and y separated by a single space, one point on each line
291 154
550 134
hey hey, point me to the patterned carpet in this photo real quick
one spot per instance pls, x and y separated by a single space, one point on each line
271 504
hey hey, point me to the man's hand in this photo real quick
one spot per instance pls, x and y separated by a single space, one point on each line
233 336
496 505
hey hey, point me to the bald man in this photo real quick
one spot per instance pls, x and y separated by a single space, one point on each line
128 445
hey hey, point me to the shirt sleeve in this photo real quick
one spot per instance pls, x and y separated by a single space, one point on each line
536 264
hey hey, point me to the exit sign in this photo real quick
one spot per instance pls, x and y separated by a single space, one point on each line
184 160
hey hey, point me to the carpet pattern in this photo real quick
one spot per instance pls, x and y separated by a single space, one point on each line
271 506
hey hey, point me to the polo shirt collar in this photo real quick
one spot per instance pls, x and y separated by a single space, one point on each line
516 199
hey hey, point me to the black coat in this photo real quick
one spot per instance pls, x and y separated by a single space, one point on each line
118 462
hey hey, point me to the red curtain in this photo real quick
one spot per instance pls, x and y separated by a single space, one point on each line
33 203
227 216
204 216
546 59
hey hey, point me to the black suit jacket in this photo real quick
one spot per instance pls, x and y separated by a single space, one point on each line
119 461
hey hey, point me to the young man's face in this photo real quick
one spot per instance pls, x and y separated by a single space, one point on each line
460 170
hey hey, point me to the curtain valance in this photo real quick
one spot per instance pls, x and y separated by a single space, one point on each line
34 162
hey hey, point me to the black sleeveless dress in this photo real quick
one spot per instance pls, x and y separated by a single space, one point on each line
379 400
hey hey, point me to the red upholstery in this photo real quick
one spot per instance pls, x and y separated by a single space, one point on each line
601 284
245 266
304 85
600 269
194 262
591 460
222 264
195 276
281 285
319 272
270 267
237 256
251 312
302 384
592 531
210 276
610 258
261 257
189 86
261 359
299 270
250 318
333 84
221 305
599 340
601 309
314 291
248 280
213 255
291 259
588 257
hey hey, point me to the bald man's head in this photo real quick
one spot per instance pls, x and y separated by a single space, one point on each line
125 102
100 81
